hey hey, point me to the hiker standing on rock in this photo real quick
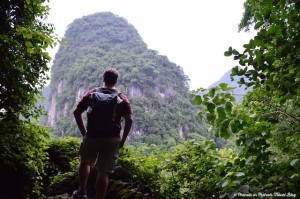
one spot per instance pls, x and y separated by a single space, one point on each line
101 142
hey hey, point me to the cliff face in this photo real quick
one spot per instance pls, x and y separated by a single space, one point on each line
53 113
156 87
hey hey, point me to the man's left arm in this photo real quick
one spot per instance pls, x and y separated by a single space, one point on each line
79 121
128 124
81 107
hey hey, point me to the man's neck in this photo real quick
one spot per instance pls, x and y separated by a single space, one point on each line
109 87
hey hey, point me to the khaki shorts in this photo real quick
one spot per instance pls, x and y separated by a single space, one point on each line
103 153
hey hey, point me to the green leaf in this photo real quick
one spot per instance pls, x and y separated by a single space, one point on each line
211 107
224 184
227 53
228 107
239 174
296 164
230 97
224 132
197 100
200 115
241 81
258 25
258 17
216 100
212 92
28 44
223 86
249 160
249 142
210 117
221 113
235 52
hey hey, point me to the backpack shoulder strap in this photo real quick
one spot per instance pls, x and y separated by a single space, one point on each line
117 92
98 89
104 90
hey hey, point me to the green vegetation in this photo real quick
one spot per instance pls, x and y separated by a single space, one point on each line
157 88
189 170
24 37
61 168
264 127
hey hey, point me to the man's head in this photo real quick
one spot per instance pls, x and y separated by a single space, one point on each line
110 77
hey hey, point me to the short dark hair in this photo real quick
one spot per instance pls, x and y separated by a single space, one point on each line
110 76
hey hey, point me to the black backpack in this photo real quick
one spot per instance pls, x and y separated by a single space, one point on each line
101 113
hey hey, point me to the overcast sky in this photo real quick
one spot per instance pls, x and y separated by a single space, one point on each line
192 33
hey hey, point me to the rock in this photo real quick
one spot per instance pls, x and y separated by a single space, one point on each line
63 196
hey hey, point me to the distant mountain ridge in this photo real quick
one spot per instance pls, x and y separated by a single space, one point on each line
157 88
238 92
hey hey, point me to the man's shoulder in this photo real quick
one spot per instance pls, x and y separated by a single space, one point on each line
121 95
125 106
89 92
124 97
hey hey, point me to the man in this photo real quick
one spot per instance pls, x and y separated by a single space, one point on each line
99 147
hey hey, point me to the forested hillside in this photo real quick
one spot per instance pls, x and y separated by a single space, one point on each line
157 88
262 162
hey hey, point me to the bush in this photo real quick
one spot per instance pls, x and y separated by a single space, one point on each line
189 170
62 165
23 153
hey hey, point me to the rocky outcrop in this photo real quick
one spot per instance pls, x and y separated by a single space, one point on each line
135 91
52 105
54 112
51 111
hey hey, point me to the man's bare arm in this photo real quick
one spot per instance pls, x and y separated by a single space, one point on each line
128 124
79 121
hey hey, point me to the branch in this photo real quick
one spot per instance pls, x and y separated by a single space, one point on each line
296 120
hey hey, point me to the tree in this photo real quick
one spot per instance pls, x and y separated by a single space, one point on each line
24 38
266 124
273 53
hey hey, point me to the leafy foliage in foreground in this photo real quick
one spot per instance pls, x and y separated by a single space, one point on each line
62 166
266 126
24 38
200 170
189 170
